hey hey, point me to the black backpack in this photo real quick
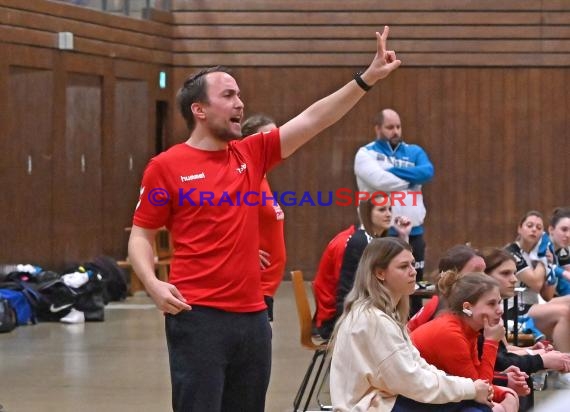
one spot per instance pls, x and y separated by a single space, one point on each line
51 300
114 278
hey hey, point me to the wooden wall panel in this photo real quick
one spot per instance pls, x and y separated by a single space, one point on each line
130 154
484 130
321 33
25 171
81 109
78 220
95 33
366 5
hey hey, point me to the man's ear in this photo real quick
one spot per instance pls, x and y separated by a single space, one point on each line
198 110
377 130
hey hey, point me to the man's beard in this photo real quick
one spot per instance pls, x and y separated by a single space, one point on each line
224 133
394 141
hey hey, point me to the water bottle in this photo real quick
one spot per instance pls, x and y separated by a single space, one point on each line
521 305
539 380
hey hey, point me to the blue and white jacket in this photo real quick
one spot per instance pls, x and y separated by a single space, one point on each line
400 172
563 259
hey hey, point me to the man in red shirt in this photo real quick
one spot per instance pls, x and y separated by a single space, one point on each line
217 331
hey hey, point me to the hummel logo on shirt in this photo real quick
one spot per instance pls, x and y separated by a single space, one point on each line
140 197
193 177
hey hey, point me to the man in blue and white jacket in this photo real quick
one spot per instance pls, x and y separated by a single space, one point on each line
399 169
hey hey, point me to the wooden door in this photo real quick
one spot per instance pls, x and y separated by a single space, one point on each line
25 167
127 154
78 218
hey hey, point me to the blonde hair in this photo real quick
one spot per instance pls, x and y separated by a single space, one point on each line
368 292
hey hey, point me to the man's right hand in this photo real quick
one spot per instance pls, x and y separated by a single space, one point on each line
384 62
166 297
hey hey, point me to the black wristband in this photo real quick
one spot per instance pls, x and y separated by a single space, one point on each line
361 83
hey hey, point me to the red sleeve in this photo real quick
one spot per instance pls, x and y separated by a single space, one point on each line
486 367
326 279
425 314
460 356
499 394
153 207
458 360
271 240
265 148
324 289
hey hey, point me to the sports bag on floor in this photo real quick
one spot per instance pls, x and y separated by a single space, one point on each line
20 305
7 316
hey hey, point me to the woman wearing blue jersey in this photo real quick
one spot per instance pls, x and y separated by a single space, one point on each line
533 272
559 231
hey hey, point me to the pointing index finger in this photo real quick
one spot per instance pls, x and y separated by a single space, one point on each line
383 40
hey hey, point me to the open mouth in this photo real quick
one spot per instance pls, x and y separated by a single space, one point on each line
236 120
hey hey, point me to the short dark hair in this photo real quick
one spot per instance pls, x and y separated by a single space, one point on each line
195 90
252 124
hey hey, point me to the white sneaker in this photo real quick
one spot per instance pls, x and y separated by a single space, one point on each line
75 316
559 380
75 280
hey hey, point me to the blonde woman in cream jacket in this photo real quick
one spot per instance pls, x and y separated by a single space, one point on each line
375 367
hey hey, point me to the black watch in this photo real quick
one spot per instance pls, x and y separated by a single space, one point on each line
361 83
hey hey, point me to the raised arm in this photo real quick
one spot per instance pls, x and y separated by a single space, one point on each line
327 111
